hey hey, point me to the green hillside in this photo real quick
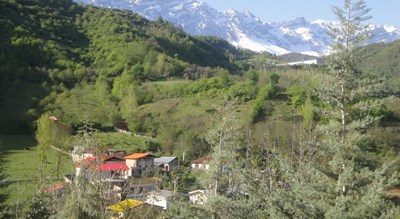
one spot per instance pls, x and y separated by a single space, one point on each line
50 47
383 60
110 66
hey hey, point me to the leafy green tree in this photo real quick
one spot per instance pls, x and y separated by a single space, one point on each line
258 110
273 81
44 136
86 198
251 76
51 133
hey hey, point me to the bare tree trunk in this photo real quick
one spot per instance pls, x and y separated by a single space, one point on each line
342 106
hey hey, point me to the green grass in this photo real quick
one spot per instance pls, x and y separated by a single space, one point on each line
21 166
128 143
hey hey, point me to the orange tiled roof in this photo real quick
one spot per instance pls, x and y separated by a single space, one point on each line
54 188
200 160
137 155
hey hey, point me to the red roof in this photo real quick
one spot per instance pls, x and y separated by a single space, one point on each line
138 155
54 188
200 160
113 167
90 159
101 158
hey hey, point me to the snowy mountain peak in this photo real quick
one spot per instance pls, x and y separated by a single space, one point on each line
243 29
296 21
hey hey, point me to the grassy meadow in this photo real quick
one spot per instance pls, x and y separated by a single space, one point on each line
20 163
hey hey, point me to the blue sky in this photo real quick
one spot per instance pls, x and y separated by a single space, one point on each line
383 11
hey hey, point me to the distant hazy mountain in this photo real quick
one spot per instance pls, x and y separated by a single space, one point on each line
243 29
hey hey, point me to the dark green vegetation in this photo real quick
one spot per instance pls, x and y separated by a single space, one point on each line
383 60
54 50
181 94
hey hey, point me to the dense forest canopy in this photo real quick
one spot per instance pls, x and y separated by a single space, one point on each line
50 47
58 49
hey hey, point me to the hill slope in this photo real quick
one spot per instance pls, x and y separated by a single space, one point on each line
383 60
48 47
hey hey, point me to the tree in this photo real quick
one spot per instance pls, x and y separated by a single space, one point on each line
335 170
50 133
330 175
252 77
86 198
225 139
273 82
44 137
226 177
347 37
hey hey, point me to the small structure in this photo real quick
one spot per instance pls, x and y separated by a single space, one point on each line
78 168
137 188
108 167
160 198
124 206
138 162
79 154
57 189
113 170
317 61
166 163
200 163
69 178
198 197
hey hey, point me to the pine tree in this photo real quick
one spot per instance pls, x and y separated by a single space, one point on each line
347 36
333 177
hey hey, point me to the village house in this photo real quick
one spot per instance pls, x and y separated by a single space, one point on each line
160 198
138 163
137 188
107 166
198 197
200 163
166 164
79 154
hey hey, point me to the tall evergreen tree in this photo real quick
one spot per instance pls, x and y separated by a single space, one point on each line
333 177
347 36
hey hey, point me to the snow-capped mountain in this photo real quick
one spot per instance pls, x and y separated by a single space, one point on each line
243 29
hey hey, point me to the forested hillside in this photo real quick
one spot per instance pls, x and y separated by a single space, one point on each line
50 47
383 60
